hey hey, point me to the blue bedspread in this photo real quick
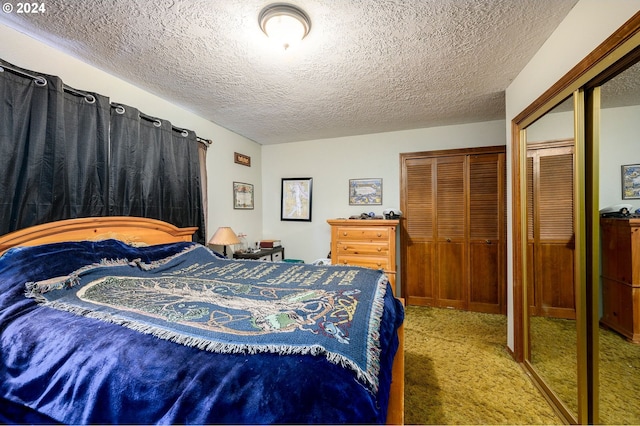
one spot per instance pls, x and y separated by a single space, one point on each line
58 366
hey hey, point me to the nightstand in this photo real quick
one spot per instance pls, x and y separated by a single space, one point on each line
275 254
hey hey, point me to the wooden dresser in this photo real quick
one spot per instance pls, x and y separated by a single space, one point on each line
621 276
365 242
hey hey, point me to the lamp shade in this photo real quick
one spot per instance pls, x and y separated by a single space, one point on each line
224 236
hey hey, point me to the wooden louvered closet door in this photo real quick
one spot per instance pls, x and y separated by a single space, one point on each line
451 232
453 229
418 229
487 224
551 243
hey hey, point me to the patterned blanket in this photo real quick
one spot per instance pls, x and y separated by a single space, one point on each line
197 299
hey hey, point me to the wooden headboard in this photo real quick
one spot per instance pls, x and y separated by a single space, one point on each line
131 230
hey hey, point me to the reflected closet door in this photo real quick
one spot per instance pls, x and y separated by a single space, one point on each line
551 235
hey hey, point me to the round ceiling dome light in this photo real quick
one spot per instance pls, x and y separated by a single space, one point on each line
284 24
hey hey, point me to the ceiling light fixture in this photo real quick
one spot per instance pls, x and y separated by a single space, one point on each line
284 23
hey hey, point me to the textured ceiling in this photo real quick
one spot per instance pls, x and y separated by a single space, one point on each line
367 66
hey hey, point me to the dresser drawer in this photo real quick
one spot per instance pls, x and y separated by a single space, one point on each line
368 243
367 262
362 233
346 247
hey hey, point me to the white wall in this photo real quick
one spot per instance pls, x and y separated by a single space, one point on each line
619 145
588 24
332 162
31 54
619 130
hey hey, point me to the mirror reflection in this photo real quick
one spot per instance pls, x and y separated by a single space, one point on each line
619 287
550 253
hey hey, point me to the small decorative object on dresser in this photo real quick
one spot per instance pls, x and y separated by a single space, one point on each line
270 243
275 254
370 243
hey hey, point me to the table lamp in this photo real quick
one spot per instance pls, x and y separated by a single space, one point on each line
224 236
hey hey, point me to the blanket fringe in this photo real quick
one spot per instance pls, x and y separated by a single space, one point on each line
368 377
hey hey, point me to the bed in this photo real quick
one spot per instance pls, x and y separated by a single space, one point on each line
99 324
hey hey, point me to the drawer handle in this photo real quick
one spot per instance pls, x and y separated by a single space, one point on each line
379 248
448 240
344 262
487 241
344 234
379 234
345 248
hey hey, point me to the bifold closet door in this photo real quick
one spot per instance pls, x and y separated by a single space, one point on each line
418 221
451 253
453 230
487 225
551 231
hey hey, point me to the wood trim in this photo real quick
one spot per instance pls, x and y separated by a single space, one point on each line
560 143
132 230
615 40
395 410
519 301
451 152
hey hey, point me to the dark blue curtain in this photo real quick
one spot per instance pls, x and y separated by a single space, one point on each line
53 151
67 154
155 170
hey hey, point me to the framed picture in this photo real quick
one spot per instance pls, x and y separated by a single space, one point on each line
295 199
245 160
365 192
242 196
631 182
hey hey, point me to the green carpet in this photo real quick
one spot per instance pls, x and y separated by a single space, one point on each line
554 349
458 371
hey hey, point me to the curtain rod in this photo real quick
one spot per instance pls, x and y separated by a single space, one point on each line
157 122
41 81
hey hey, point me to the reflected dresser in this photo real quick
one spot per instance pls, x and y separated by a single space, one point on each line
621 276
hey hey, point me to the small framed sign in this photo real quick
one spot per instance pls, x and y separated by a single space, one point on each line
245 160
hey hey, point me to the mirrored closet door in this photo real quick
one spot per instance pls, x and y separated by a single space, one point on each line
619 307
583 348
550 283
